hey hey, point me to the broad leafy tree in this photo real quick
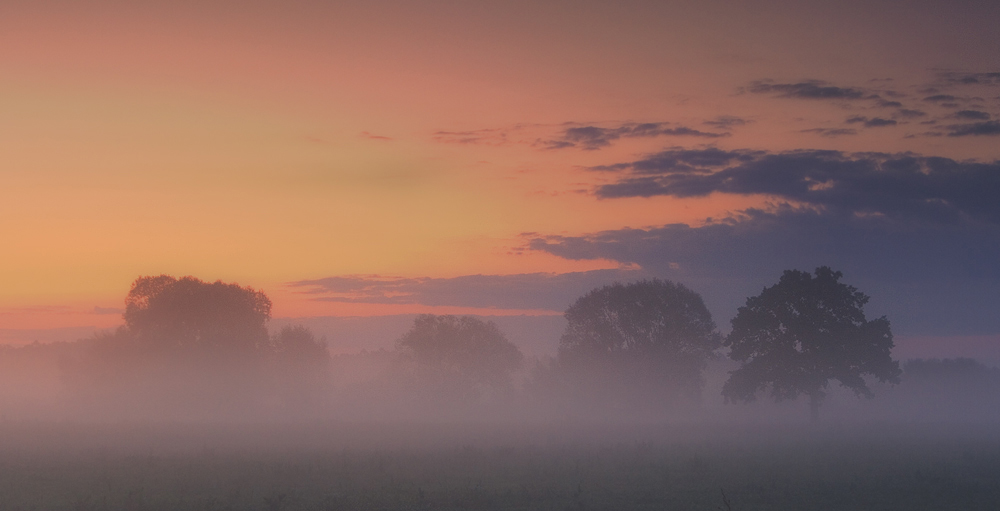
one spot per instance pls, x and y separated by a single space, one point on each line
806 330
460 355
189 346
654 331
189 313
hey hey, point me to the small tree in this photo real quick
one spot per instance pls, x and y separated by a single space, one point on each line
297 344
460 354
649 332
801 333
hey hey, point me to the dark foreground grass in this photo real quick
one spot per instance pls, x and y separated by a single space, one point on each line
436 467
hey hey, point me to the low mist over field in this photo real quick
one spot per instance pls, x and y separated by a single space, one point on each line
638 353
199 402
440 255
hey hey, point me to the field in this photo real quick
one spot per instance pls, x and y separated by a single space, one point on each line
489 467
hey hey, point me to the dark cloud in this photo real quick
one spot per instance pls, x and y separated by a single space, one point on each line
726 121
889 104
971 78
899 185
809 89
975 115
581 136
875 122
596 137
547 291
371 136
952 101
557 144
929 278
973 129
940 97
479 137
907 113
831 132
680 161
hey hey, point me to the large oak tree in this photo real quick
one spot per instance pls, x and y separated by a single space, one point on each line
798 335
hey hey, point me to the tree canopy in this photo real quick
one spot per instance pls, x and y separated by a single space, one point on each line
462 352
190 346
188 312
801 333
652 326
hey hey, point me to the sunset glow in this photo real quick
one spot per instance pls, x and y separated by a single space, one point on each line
274 143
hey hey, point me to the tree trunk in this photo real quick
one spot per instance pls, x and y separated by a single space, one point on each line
815 399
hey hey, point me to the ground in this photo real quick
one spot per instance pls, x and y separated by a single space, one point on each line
466 466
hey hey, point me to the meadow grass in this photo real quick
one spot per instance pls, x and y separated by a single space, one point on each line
460 467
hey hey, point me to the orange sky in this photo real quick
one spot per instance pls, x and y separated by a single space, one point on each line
264 143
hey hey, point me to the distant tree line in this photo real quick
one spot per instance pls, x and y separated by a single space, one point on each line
627 348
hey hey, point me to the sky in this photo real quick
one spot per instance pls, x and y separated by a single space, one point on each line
384 158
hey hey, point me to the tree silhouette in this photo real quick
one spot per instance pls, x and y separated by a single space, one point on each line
297 344
190 346
460 355
655 332
801 333
189 313
297 366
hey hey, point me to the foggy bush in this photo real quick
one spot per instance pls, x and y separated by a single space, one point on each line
297 369
632 348
945 390
458 359
956 371
30 378
442 368
114 376
366 385
195 349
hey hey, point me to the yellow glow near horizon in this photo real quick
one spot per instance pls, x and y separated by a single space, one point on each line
269 144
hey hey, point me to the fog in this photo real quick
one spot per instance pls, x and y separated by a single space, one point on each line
95 381
361 430
201 402
369 430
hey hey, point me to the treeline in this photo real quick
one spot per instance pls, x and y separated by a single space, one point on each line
196 350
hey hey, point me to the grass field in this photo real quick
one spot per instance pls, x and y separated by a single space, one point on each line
461 466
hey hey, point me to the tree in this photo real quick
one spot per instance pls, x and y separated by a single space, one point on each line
650 329
801 333
460 354
189 313
297 344
298 368
195 347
